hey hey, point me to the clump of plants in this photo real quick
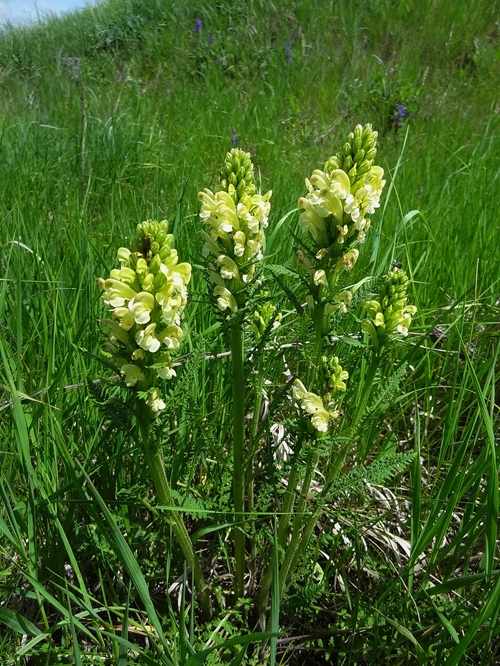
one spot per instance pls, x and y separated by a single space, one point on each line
301 400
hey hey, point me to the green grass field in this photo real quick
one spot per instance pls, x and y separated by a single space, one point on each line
123 113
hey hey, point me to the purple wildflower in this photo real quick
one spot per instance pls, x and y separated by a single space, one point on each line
288 53
209 39
234 138
198 25
401 114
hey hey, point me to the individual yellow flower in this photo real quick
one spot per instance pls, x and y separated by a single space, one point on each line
132 374
171 336
116 293
154 401
225 299
146 338
141 306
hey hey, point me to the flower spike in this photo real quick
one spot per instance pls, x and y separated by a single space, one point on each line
147 296
235 218
334 213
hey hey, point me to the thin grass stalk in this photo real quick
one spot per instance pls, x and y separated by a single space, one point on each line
238 377
296 546
288 503
416 491
248 465
282 533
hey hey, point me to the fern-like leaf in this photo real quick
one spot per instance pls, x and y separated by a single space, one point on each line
386 391
377 473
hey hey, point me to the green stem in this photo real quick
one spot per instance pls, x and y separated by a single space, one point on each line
296 545
254 431
306 536
289 499
250 457
337 461
317 317
294 554
284 522
238 453
156 466
367 391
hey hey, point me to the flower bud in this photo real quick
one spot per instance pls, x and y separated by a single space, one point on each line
359 156
357 145
238 172
389 314
348 164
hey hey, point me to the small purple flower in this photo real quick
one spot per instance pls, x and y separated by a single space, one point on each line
198 25
288 53
209 39
234 138
401 114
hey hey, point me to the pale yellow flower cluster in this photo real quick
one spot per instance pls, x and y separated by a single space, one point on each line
262 316
146 295
335 375
236 218
313 405
334 213
323 411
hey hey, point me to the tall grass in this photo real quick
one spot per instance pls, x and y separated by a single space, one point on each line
123 112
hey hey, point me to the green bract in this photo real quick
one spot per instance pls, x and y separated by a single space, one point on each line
146 295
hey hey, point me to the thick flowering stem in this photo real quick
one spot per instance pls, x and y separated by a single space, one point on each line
238 453
319 327
156 466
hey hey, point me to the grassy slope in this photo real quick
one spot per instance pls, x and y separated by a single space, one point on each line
139 124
